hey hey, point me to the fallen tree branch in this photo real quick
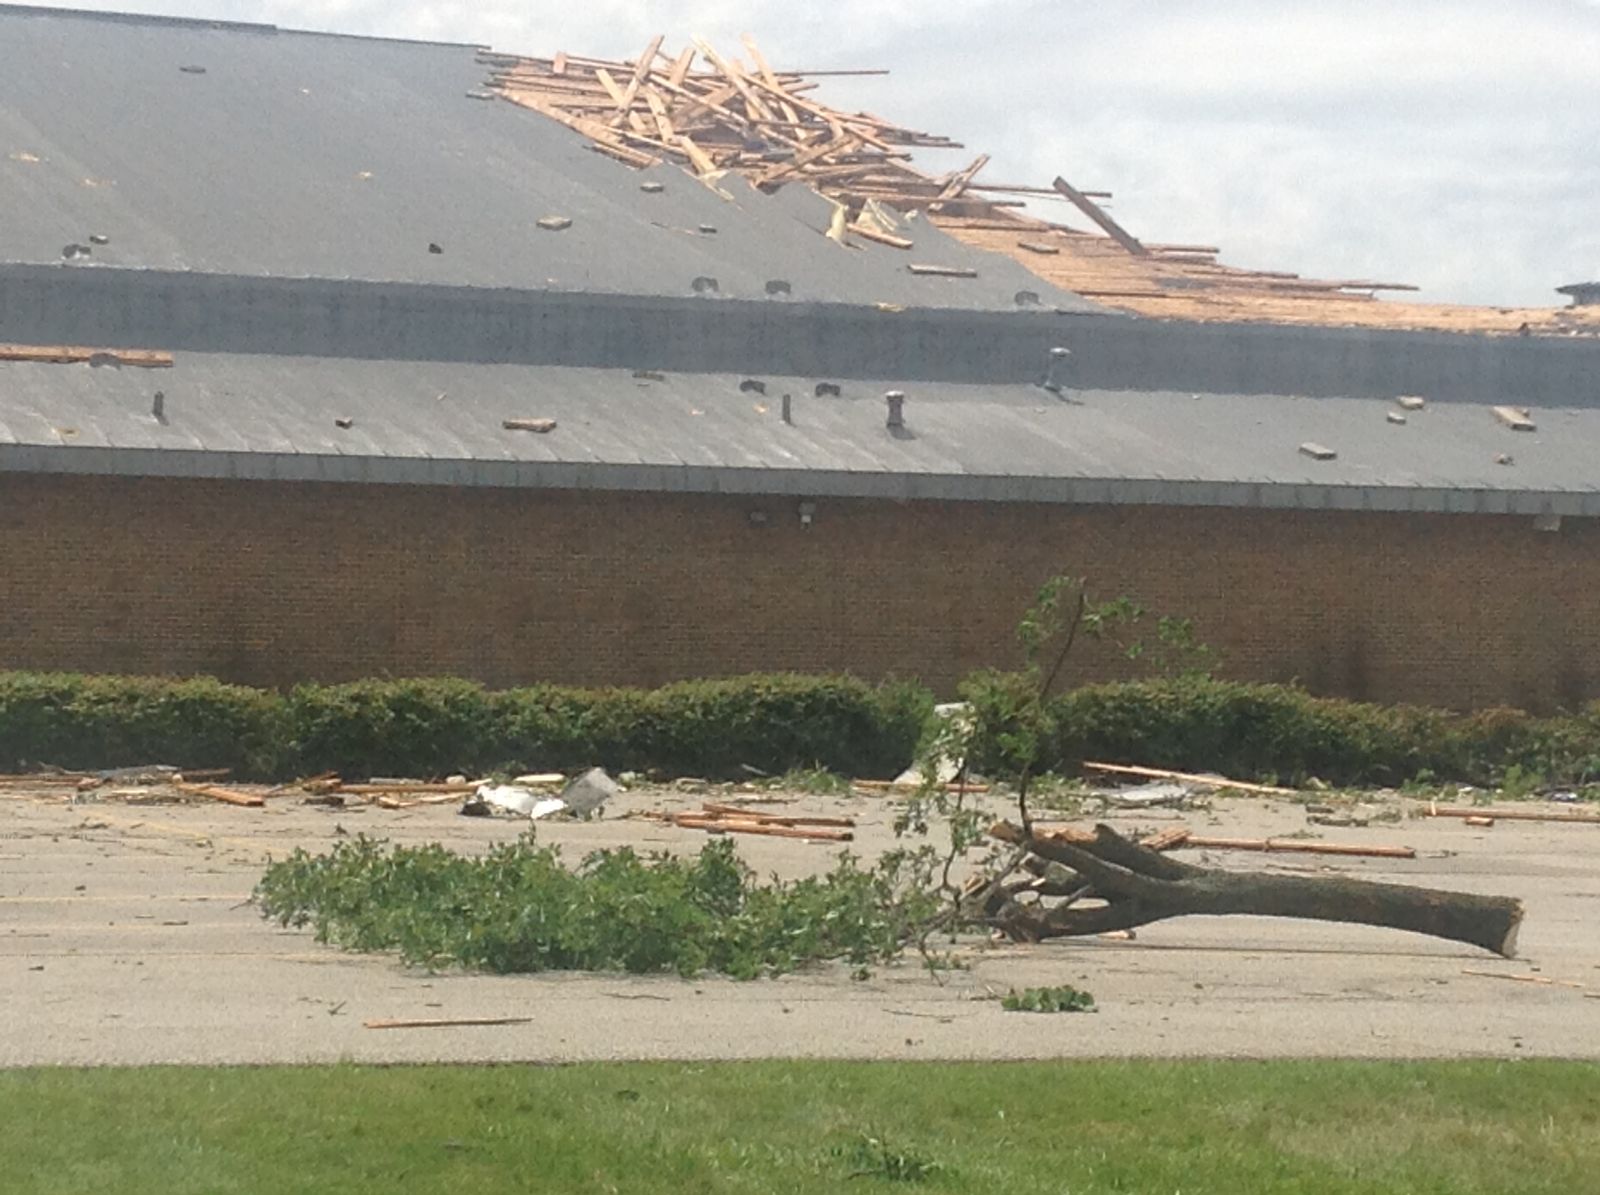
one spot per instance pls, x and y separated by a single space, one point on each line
1139 886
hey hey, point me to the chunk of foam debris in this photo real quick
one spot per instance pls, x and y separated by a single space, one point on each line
585 794
511 799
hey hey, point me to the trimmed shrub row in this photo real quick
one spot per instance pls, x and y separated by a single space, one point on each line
718 728
1275 731
436 726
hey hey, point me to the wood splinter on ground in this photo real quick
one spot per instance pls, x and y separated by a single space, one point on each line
1475 817
442 1022
1120 769
728 819
228 796
1136 886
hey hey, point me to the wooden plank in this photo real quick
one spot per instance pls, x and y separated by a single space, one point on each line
1094 211
1542 980
391 790
744 813
558 64
442 1022
1516 418
959 181
640 71
942 271
1039 247
1501 813
735 76
883 238
717 825
227 796
1122 769
680 68
767 75
1317 452
57 354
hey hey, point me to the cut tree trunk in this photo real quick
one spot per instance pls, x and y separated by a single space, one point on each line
1139 886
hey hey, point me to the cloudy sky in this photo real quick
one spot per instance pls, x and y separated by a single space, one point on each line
1450 143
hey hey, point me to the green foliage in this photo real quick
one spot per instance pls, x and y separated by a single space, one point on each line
870 1156
1058 999
817 781
1196 723
435 726
520 909
80 721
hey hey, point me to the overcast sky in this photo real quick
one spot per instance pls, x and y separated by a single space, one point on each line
1454 143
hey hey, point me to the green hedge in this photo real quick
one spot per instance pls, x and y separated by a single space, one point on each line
436 726
1252 731
711 728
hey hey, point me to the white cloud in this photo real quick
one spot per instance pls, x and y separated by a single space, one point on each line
1451 143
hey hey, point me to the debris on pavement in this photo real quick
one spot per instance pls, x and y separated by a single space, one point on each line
586 794
1119 769
716 818
1538 979
513 799
1148 796
442 1022
1513 815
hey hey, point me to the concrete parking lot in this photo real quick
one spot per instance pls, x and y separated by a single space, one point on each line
126 938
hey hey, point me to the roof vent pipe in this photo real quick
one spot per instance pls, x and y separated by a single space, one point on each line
897 408
1058 364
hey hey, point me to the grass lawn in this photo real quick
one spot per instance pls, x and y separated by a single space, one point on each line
1151 1128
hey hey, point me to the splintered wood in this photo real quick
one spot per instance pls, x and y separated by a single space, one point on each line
715 818
729 115
713 113
57 354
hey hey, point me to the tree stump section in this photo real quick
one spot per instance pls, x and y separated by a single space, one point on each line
1137 886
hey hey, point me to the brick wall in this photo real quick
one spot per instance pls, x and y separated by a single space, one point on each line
268 584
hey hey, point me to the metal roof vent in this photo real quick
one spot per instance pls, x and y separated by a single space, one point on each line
896 400
1053 372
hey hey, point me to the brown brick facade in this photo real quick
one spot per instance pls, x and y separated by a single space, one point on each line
272 583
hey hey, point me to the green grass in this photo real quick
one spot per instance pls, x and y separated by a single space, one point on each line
1151 1128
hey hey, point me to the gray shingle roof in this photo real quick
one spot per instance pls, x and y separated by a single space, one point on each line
439 423
304 155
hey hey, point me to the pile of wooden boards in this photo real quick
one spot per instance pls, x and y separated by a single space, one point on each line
739 819
731 115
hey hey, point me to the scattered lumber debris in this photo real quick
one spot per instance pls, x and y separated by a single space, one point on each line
1500 812
713 113
1516 418
529 425
1120 769
1135 886
228 796
442 1022
716 818
57 354
1541 980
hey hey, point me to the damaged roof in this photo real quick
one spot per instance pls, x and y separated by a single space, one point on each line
436 423
148 143
713 112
